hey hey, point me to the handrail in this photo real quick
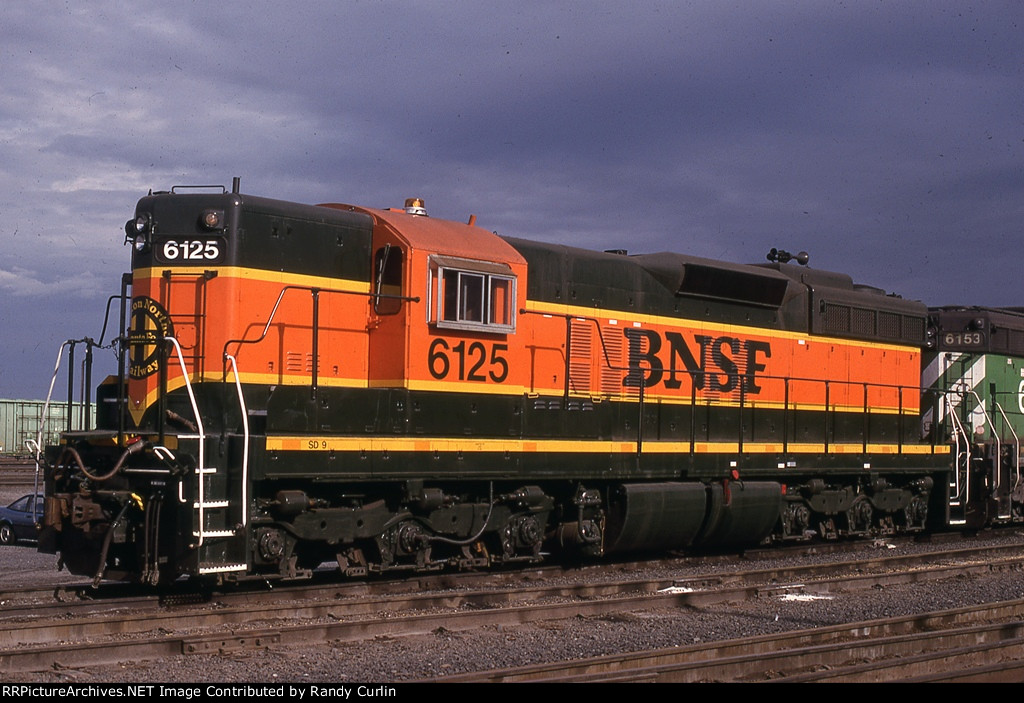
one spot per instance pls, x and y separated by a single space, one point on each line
737 385
315 291
38 450
200 468
999 447
1016 439
245 444
988 418
568 345
958 432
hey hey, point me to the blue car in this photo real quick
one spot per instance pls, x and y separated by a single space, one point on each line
17 520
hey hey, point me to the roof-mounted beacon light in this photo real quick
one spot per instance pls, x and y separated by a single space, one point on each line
414 206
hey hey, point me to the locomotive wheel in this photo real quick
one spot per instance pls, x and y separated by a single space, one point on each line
796 521
859 516
916 513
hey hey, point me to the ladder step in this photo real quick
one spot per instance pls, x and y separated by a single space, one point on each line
212 504
214 534
220 568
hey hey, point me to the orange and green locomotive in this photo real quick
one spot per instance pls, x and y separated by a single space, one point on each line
381 389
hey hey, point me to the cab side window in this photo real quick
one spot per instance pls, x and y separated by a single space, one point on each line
387 267
474 296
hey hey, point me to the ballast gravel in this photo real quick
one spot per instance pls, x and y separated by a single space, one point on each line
444 652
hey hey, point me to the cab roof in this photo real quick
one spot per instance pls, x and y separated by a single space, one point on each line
443 237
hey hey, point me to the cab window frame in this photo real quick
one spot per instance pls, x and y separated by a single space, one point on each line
472 295
388 279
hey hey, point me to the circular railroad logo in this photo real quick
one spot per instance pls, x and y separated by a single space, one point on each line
150 323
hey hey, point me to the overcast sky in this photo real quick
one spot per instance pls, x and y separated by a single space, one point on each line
885 138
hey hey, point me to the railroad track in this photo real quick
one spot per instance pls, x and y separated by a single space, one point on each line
108 631
16 471
981 643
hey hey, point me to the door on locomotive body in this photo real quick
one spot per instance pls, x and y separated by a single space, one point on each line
389 313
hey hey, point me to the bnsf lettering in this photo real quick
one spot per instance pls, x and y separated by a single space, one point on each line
714 363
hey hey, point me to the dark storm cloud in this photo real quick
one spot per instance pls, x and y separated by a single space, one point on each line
885 138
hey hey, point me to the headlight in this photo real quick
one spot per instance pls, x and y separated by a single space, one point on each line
212 219
139 232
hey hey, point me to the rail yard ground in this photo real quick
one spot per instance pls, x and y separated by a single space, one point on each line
446 652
